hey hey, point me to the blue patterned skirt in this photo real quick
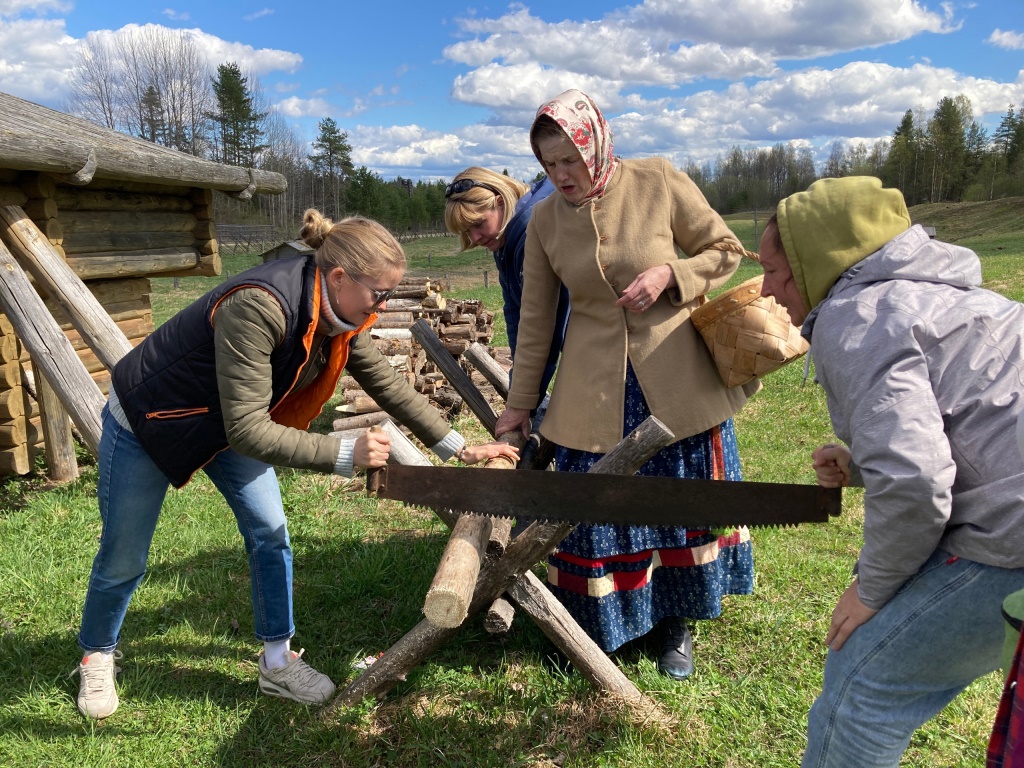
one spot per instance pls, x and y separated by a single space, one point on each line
619 581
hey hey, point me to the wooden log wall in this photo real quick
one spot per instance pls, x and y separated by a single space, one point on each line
459 323
113 235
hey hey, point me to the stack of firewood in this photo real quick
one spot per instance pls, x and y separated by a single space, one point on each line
457 322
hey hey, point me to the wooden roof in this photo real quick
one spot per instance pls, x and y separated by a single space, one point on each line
36 138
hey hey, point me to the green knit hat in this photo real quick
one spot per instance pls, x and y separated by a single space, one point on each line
833 225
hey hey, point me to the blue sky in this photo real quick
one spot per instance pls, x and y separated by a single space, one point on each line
426 88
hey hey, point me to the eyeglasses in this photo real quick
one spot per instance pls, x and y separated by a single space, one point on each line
379 297
464 185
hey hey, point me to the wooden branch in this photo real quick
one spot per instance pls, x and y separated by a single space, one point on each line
457 377
489 368
51 349
63 286
530 547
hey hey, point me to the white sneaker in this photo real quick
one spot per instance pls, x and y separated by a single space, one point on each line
97 696
296 680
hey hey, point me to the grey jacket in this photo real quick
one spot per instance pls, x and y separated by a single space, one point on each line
924 372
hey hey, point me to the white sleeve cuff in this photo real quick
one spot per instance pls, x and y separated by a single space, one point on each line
344 465
449 445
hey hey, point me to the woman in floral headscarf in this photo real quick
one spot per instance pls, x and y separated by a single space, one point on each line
611 234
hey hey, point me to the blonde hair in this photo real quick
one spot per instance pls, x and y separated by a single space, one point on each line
358 245
469 208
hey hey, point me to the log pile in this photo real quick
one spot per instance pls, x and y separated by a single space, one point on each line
458 323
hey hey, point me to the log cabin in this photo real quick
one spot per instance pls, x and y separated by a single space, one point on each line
119 210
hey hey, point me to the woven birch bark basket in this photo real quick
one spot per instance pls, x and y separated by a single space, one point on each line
748 335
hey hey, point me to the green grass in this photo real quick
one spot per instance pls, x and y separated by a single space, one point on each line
362 567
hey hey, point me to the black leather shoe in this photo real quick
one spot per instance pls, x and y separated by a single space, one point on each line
676 658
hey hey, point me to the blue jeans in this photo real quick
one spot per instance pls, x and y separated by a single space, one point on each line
131 490
938 634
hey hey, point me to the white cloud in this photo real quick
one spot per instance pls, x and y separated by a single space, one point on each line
19 7
293 106
411 150
1013 41
257 61
35 57
174 15
259 14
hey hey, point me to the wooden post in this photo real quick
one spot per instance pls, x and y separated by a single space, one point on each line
530 547
458 378
51 350
61 463
62 284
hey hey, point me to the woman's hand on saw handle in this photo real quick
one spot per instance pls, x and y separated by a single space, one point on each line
372 448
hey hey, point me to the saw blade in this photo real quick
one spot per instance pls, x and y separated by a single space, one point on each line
609 499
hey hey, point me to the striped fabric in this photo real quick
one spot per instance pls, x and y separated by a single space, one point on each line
618 582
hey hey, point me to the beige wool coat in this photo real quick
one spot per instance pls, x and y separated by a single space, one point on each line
597 249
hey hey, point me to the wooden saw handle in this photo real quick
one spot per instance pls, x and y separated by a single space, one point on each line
374 475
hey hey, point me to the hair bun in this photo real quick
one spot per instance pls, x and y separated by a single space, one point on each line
315 228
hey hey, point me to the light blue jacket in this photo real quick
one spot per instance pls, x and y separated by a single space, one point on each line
924 372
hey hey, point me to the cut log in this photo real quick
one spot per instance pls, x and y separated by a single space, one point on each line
361 421
15 461
490 368
63 286
51 349
41 208
359 405
12 403
447 601
12 195
500 615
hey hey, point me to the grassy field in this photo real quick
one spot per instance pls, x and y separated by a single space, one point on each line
188 689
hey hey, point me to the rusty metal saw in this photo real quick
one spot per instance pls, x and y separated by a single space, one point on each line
598 499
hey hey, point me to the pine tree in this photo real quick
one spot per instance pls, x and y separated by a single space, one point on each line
238 122
332 162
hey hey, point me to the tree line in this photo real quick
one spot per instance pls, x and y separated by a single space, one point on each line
153 83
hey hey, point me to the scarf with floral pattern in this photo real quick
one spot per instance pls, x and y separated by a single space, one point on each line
583 123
